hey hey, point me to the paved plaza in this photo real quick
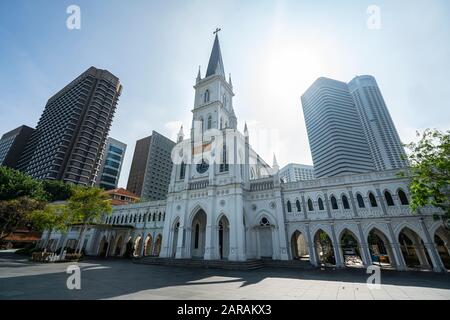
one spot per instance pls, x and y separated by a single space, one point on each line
122 279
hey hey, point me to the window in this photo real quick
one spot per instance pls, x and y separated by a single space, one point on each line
197 231
264 222
403 198
360 200
206 99
310 205
182 170
334 204
320 203
224 167
289 207
373 200
297 203
345 202
209 125
389 200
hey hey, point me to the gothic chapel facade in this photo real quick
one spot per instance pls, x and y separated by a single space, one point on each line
225 203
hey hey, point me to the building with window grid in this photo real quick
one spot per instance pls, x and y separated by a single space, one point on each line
71 134
111 166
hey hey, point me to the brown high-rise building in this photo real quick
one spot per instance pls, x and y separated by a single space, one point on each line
71 134
151 167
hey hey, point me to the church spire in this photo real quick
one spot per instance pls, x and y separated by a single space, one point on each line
215 64
275 164
180 136
199 75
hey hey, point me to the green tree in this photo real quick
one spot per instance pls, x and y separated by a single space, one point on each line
87 205
14 214
54 217
56 190
15 184
429 171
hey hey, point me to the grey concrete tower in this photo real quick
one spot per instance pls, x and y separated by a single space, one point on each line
335 134
71 134
382 137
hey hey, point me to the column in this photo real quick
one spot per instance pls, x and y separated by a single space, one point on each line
305 214
352 202
367 258
327 203
143 237
380 200
337 248
400 261
438 265
311 247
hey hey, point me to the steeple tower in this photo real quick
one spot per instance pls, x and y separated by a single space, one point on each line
213 105
215 64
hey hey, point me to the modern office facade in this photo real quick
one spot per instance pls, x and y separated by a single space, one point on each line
12 145
379 129
336 137
151 167
71 134
294 172
109 173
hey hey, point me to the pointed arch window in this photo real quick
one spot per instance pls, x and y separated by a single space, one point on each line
360 200
206 98
320 203
209 125
224 164
373 200
310 205
224 99
197 234
297 203
403 198
289 207
182 170
345 202
334 204
389 200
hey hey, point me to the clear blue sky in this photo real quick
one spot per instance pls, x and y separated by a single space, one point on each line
274 50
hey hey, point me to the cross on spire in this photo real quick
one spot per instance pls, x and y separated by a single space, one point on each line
217 30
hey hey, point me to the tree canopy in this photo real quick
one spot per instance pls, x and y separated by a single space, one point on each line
429 171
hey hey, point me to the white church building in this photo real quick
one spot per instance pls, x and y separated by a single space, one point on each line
225 203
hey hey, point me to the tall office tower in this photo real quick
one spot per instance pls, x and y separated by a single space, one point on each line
294 172
336 137
12 145
384 142
109 173
70 137
151 167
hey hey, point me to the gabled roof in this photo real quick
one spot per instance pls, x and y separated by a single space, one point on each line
215 65
123 192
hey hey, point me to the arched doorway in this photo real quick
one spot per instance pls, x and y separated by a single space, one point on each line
118 248
198 237
129 248
103 246
224 238
442 242
299 246
351 250
324 248
380 249
413 250
148 245
137 246
265 239
157 248
175 239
